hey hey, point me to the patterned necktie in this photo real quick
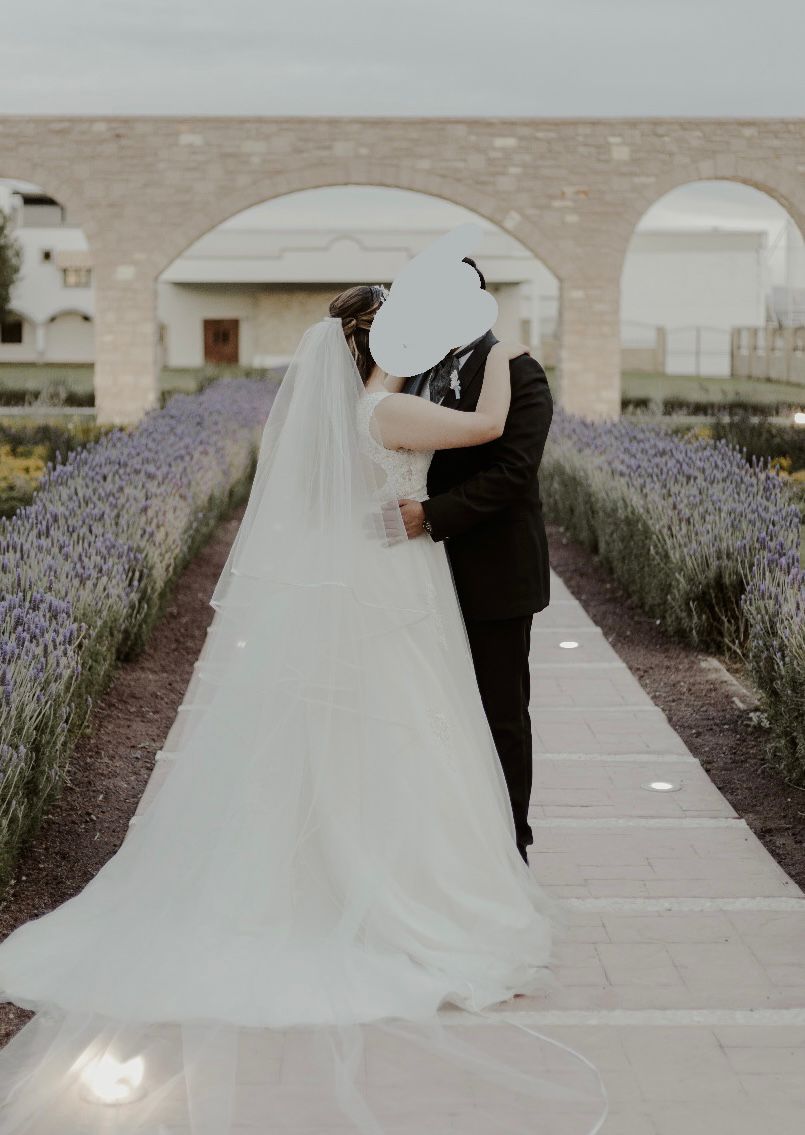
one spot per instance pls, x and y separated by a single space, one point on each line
445 375
440 378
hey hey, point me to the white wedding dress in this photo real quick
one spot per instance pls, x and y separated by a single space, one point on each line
324 860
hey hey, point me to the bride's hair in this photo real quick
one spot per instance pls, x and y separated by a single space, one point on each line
356 308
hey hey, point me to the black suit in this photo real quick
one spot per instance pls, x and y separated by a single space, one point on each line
484 501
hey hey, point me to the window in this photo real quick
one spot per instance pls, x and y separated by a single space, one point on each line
11 331
47 253
77 277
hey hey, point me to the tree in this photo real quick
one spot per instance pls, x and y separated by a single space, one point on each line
10 263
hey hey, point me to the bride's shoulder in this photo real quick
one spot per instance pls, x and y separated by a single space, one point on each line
389 398
369 402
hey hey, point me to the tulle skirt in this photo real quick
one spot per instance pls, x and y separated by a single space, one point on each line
318 903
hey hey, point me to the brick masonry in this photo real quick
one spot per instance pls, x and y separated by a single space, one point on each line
571 190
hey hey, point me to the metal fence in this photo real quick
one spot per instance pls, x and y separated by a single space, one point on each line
770 352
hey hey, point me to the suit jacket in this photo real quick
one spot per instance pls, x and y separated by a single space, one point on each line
484 500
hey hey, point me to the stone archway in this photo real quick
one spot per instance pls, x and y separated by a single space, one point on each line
785 189
721 168
344 173
571 190
293 269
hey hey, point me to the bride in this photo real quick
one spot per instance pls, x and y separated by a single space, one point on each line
321 883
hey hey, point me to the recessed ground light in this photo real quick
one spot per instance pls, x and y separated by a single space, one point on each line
569 645
799 418
661 786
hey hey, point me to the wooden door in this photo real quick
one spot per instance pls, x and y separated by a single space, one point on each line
221 340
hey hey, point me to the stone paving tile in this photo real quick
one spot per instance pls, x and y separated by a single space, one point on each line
568 788
681 1080
663 862
563 614
672 959
680 1063
590 687
592 647
566 731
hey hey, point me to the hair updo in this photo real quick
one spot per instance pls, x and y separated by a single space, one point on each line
356 308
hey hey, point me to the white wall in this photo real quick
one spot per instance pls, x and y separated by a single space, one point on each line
69 338
272 317
278 282
681 281
184 307
39 292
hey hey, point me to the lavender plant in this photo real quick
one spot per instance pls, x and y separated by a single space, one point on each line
774 605
39 669
680 522
86 567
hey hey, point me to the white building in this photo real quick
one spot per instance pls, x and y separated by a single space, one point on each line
52 302
244 295
248 294
697 285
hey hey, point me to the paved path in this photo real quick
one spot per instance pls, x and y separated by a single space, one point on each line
682 974
682 971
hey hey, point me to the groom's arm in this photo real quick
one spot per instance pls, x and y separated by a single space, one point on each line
517 458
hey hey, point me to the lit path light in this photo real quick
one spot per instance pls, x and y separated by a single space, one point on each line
568 644
661 786
799 418
110 1081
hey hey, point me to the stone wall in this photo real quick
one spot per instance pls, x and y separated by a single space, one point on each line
572 190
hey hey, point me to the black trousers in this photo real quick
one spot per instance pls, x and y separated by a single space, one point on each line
500 655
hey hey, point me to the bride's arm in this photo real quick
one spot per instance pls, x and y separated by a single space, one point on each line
406 421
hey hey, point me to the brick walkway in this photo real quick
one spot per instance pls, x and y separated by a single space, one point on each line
683 971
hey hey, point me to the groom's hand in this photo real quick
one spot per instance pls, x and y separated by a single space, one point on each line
413 515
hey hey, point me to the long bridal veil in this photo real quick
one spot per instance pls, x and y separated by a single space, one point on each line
313 919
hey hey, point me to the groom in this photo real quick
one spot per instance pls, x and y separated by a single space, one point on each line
484 502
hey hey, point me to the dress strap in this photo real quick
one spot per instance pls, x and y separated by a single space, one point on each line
369 402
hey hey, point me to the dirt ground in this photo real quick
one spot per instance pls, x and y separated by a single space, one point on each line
113 760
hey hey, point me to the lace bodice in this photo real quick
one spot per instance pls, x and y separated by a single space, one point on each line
406 470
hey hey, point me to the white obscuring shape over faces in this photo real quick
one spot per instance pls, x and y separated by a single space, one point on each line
436 303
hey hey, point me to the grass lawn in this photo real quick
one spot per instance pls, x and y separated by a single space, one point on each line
77 377
696 388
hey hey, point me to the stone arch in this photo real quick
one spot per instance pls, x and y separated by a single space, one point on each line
384 175
68 334
775 181
253 341
68 193
84 312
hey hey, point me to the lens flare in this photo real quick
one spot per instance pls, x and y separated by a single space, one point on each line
108 1080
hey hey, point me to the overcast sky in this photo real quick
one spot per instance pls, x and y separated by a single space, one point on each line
423 57
583 58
